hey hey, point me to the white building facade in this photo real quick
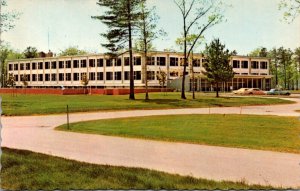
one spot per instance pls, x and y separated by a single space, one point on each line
103 72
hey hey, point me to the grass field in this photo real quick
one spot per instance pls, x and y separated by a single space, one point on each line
242 131
51 104
26 170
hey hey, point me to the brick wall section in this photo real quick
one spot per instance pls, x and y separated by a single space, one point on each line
79 91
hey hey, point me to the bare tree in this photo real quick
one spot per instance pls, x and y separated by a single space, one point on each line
198 16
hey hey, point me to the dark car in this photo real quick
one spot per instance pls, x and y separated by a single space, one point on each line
278 92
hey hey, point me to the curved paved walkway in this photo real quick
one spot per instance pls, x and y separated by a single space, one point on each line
36 133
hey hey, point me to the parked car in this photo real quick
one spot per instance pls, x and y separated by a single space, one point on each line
255 91
278 92
240 91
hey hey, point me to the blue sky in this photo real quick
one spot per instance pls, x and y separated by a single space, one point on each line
250 24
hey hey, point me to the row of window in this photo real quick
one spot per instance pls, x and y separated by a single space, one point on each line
76 64
245 64
77 76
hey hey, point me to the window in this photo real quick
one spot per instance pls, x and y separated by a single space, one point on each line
47 65
151 61
68 76
99 75
173 61
75 64
75 76
21 66
10 67
16 67
126 61
92 76
255 74
83 63
236 64
40 64
196 63
137 61
33 77
244 64
47 77
174 74
109 76
119 62
41 78
16 78
68 64
53 65
92 63
254 64
264 74
109 62
118 75
263 65
61 64
127 76
33 66
161 61
137 75
83 74
204 60
100 62
61 77
28 77
150 75
181 61
27 66
53 77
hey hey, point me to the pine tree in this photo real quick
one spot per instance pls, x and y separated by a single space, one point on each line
217 65
121 18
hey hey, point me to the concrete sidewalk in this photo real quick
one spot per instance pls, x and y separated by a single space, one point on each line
36 133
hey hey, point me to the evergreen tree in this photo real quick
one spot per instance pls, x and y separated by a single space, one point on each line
217 65
30 52
121 18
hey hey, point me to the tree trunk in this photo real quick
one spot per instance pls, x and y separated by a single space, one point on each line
217 90
184 61
131 95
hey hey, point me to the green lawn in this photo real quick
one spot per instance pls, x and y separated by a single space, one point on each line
243 131
26 170
51 104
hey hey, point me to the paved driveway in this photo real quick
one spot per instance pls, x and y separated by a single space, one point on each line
36 133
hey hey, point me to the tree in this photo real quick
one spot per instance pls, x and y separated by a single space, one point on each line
6 23
259 52
11 80
161 77
217 65
291 9
30 52
274 65
24 80
285 64
148 32
84 81
4 52
121 18
71 51
189 40
193 11
297 65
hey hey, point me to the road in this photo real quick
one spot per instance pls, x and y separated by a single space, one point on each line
36 133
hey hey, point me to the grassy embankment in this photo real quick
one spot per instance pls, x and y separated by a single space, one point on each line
32 171
243 131
51 104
